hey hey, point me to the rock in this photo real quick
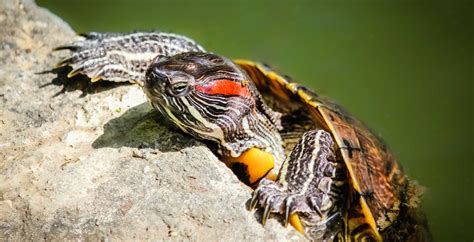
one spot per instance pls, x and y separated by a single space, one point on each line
93 161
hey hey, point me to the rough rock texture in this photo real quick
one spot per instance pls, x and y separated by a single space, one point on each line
94 161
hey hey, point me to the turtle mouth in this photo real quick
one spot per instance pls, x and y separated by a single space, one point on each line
160 100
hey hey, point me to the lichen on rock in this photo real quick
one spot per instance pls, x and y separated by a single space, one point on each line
95 161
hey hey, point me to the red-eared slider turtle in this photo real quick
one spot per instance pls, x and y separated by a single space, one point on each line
309 160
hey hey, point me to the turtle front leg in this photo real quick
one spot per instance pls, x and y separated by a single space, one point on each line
307 188
122 57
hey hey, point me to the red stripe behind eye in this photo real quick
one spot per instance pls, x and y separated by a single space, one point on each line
224 87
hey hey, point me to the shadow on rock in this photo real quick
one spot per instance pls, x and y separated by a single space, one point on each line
78 82
143 127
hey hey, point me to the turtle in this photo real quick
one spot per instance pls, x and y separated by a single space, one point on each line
311 163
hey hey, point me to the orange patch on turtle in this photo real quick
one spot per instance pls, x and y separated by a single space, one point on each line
224 87
258 164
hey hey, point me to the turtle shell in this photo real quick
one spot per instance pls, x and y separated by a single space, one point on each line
375 176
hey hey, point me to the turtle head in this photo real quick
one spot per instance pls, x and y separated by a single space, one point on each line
211 98
202 94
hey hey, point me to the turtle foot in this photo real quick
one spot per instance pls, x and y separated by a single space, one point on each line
308 187
273 197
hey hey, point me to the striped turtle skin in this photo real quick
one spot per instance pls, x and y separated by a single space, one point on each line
310 161
122 57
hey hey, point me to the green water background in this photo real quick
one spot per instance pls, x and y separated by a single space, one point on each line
404 67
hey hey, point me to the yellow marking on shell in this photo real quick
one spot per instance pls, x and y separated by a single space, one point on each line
369 218
293 87
244 62
259 163
274 76
307 97
296 223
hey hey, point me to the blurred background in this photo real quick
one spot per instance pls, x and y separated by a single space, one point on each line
404 67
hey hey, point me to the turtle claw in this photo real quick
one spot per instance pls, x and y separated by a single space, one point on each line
253 200
66 47
287 215
266 211
270 196
273 197
73 73
318 211
64 62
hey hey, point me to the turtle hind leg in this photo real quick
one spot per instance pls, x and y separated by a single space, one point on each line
122 57
306 186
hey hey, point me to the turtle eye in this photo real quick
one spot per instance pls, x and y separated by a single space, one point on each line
179 88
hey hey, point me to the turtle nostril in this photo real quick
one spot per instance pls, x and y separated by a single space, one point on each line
149 81
153 76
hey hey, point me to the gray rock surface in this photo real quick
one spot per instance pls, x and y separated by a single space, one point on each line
94 161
